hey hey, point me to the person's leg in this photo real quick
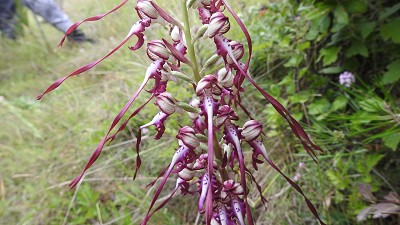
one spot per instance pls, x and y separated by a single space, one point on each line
7 20
50 12
54 15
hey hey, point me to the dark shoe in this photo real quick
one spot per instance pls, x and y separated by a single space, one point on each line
79 37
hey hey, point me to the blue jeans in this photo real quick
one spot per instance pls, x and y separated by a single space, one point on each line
7 21
47 9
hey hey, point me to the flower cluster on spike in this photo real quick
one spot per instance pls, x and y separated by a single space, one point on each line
209 159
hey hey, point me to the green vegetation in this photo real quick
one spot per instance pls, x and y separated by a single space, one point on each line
300 50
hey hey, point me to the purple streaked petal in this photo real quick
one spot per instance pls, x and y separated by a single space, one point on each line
208 105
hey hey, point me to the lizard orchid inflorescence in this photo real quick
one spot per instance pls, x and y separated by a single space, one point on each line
211 147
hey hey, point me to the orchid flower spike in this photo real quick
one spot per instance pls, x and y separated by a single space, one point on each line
210 161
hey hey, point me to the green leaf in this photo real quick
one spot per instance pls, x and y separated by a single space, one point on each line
357 48
337 179
366 28
372 105
391 31
329 55
372 160
275 90
341 15
300 97
392 141
393 73
389 11
320 10
355 6
294 61
331 70
303 46
318 107
339 103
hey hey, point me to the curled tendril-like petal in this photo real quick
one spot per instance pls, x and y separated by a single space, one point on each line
259 149
179 155
136 29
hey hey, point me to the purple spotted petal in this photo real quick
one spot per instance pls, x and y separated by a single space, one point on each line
232 136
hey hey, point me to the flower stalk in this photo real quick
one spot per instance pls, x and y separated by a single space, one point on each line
189 41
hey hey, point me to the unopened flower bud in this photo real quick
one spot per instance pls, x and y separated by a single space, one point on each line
205 82
186 174
166 102
146 10
238 51
251 130
225 77
156 50
200 32
219 24
195 103
176 34
188 137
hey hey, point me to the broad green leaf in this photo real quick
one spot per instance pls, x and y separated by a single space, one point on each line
372 105
357 48
391 31
300 97
275 90
298 116
393 73
294 61
341 15
392 141
372 160
366 28
389 11
319 106
303 46
329 55
331 70
355 6
320 10
339 103
324 24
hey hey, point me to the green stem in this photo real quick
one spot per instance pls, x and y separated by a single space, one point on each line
220 156
189 43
